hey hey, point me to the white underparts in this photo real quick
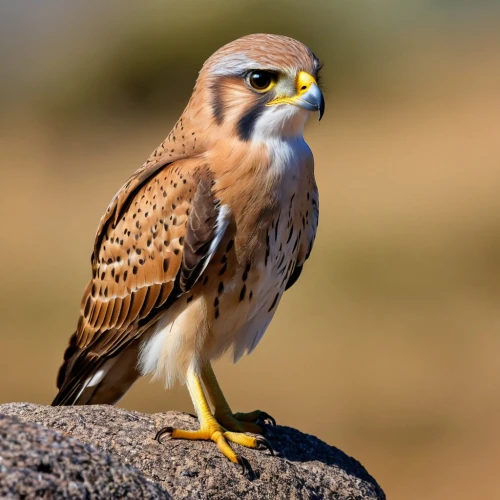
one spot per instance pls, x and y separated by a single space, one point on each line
178 343
150 352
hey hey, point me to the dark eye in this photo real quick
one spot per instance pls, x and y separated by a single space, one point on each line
261 80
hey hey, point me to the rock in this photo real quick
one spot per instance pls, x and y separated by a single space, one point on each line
36 462
304 467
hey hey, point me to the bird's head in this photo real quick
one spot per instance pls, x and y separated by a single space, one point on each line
261 86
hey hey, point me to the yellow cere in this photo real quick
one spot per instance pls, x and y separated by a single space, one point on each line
302 85
304 81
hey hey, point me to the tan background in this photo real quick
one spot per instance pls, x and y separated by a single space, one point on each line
389 345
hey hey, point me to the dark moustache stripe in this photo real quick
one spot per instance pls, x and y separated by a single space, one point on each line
246 124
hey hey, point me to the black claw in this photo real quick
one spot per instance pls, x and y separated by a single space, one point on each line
245 465
161 432
263 443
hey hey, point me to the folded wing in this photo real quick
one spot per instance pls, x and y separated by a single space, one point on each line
152 245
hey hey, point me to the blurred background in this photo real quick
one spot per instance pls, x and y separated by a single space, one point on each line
389 345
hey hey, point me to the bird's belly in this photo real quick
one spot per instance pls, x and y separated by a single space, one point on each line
249 306
231 306
247 335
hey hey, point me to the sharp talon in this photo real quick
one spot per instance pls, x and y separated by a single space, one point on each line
263 443
161 432
245 466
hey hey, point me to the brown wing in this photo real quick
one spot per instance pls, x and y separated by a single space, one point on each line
150 248
158 160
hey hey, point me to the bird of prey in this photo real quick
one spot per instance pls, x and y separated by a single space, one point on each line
196 249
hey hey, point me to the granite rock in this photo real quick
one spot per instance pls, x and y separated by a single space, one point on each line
304 467
36 462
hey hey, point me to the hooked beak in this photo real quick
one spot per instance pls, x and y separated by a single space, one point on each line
308 95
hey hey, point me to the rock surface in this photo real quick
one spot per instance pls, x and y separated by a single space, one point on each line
36 462
33 457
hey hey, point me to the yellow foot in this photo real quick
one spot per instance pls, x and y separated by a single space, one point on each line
221 437
253 421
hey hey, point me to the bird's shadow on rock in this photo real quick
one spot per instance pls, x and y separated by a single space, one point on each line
297 446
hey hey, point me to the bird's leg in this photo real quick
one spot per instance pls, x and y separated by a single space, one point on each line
210 429
238 422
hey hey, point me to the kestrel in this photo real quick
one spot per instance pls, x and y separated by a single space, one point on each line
196 249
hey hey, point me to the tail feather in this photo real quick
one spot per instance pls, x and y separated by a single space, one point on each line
86 378
72 387
69 355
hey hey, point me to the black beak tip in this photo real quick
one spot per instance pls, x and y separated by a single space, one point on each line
321 109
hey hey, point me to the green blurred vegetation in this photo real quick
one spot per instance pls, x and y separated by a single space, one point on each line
388 347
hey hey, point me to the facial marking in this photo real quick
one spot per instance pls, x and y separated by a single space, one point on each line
234 101
236 65
246 124
217 104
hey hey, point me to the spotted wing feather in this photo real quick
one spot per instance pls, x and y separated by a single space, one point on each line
163 236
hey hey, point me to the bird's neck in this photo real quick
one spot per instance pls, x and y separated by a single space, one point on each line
257 179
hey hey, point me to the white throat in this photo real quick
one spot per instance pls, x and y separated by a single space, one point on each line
283 121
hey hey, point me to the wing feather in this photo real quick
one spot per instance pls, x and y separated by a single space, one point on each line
152 245
150 300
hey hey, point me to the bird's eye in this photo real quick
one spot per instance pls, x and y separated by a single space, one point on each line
261 81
